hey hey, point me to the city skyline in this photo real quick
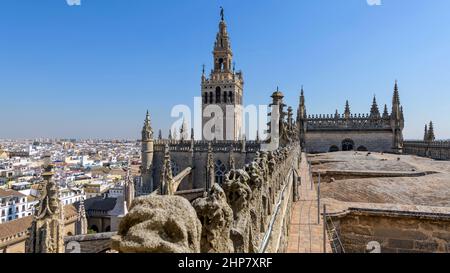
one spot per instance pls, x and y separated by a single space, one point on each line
63 81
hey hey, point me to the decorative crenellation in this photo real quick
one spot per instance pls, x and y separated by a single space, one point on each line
224 146
354 121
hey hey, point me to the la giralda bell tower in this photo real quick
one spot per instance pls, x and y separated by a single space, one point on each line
223 88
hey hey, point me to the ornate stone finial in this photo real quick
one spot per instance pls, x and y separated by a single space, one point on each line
129 187
47 228
166 173
374 111
192 134
170 134
184 131
431 136
231 162
347 110
210 168
396 97
174 135
222 14
160 135
385 113
147 131
243 143
425 136
82 224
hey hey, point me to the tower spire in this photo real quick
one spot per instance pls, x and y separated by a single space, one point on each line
431 136
396 113
385 112
147 131
425 135
147 157
82 224
347 110
374 111
223 87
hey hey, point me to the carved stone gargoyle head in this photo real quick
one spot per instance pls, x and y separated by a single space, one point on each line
159 224
237 190
216 217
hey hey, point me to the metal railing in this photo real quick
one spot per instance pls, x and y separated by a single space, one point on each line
268 234
329 228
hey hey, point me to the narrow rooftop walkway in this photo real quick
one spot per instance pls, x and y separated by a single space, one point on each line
305 233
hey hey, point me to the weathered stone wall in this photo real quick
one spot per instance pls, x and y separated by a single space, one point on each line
183 156
89 243
248 213
408 233
17 246
439 150
322 141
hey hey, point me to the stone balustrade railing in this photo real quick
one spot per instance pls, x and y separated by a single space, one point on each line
249 213
202 146
439 150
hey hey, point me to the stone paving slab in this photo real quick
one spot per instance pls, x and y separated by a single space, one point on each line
305 233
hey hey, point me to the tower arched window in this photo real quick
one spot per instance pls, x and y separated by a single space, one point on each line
220 170
211 97
218 91
205 98
225 99
230 95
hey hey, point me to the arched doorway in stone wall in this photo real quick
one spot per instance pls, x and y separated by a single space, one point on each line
333 149
94 228
348 145
362 149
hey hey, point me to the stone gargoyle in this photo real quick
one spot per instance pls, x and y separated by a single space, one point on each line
159 224
216 217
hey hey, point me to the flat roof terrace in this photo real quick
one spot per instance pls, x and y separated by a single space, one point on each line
382 181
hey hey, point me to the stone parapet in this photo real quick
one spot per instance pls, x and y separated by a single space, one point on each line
248 213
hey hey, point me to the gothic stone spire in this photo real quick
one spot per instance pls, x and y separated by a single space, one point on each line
82 224
374 111
210 180
431 136
147 131
425 135
396 103
347 110
47 228
166 172
385 112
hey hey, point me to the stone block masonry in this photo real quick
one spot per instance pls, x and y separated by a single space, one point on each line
398 232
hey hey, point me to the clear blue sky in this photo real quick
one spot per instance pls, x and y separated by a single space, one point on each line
93 70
